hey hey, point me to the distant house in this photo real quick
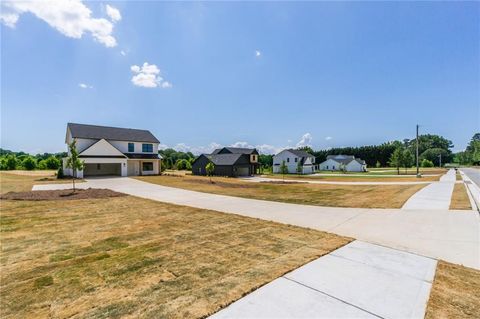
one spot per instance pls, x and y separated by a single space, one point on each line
228 161
335 162
297 161
113 150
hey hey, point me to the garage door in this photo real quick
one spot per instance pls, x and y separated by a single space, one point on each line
242 171
102 169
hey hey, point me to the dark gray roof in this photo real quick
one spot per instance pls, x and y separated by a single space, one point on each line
111 133
224 159
300 153
235 150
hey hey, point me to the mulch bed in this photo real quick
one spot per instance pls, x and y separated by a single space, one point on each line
63 194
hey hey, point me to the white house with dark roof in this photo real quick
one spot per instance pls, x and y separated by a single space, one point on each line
335 163
296 161
113 150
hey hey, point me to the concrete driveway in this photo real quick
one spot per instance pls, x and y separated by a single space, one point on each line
441 234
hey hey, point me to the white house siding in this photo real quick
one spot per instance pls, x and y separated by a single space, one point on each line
95 147
330 165
354 166
122 146
291 161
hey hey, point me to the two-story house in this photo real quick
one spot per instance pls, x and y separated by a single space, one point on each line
228 161
296 161
113 150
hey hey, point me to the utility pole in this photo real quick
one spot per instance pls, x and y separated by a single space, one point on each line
440 159
416 152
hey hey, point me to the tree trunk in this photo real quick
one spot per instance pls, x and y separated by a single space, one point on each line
73 179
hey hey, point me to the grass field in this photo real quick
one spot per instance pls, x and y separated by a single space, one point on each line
129 256
22 181
455 292
365 196
460 198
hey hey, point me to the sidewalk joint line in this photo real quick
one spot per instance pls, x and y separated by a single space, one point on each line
331 296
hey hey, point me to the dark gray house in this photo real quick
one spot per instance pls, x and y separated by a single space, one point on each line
228 161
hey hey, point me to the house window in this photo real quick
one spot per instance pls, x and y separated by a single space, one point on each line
147 148
288 159
147 166
327 166
296 159
131 147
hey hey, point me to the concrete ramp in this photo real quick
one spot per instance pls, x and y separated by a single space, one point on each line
437 195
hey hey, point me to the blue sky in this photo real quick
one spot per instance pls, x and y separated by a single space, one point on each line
270 75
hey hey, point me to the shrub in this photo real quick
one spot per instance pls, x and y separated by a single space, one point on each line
378 165
183 164
60 172
426 163
42 164
52 162
11 162
29 163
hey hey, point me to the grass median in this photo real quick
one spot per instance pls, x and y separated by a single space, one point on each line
360 196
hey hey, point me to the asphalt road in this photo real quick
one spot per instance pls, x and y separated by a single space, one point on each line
473 173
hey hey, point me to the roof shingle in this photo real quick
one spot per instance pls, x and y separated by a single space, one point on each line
111 133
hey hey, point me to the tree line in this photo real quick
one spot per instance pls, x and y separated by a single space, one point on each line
432 149
10 160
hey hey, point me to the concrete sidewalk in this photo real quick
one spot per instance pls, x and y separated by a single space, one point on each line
437 195
441 234
359 280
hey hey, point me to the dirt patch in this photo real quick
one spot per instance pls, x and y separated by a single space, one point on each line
63 194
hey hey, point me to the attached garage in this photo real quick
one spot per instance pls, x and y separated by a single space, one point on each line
242 171
102 169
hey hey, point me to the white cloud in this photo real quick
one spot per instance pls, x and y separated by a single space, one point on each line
305 140
9 18
241 144
85 86
123 53
113 13
258 53
148 76
328 138
71 18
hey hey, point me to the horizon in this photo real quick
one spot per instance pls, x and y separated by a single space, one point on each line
323 74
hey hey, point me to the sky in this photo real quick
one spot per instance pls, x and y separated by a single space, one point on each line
265 74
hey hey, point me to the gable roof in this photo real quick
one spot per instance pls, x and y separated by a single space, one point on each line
110 133
224 159
299 153
235 150
345 159
101 148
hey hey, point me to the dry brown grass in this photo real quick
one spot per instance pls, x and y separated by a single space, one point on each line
455 293
459 177
130 257
364 196
22 181
460 198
